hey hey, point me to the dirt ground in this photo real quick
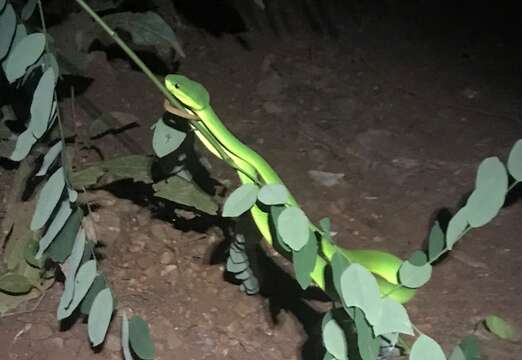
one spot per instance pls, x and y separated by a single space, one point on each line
377 126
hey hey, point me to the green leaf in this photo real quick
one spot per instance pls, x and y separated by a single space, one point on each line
304 261
339 264
359 288
514 163
87 177
275 211
140 339
24 143
425 348
30 255
28 9
14 284
367 344
62 245
470 347
273 194
42 103
24 54
333 337
135 167
73 262
166 138
83 282
50 157
418 258
456 227
240 200
294 227
125 338
146 29
47 200
99 283
54 228
394 319
457 354
233 267
414 276
185 192
100 317
7 29
50 61
326 225
500 327
489 195
2 5
436 243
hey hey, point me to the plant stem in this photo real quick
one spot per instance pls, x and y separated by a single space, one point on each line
172 100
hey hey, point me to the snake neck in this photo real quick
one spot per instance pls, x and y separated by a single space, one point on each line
236 147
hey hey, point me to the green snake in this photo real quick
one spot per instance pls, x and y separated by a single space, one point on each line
250 165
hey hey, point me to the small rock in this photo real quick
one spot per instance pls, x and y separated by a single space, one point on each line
325 178
168 269
166 258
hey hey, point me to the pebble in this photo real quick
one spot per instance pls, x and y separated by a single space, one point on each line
166 258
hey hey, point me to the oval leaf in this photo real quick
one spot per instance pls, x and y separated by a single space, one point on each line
514 163
7 29
489 172
25 53
500 327
24 143
56 225
50 157
100 316
367 344
240 200
294 227
456 227
425 348
304 261
147 28
273 194
359 288
140 339
28 9
333 338
394 319
15 284
166 139
436 241
48 198
73 262
414 276
42 104
125 338
83 282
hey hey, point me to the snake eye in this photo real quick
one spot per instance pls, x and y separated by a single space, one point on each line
176 85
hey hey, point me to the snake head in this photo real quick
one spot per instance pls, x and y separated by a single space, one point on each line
189 92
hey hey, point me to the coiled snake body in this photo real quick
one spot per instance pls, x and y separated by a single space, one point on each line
251 165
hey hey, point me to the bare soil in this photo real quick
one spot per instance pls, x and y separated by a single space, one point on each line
402 116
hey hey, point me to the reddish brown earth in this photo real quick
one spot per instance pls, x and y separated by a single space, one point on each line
405 119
